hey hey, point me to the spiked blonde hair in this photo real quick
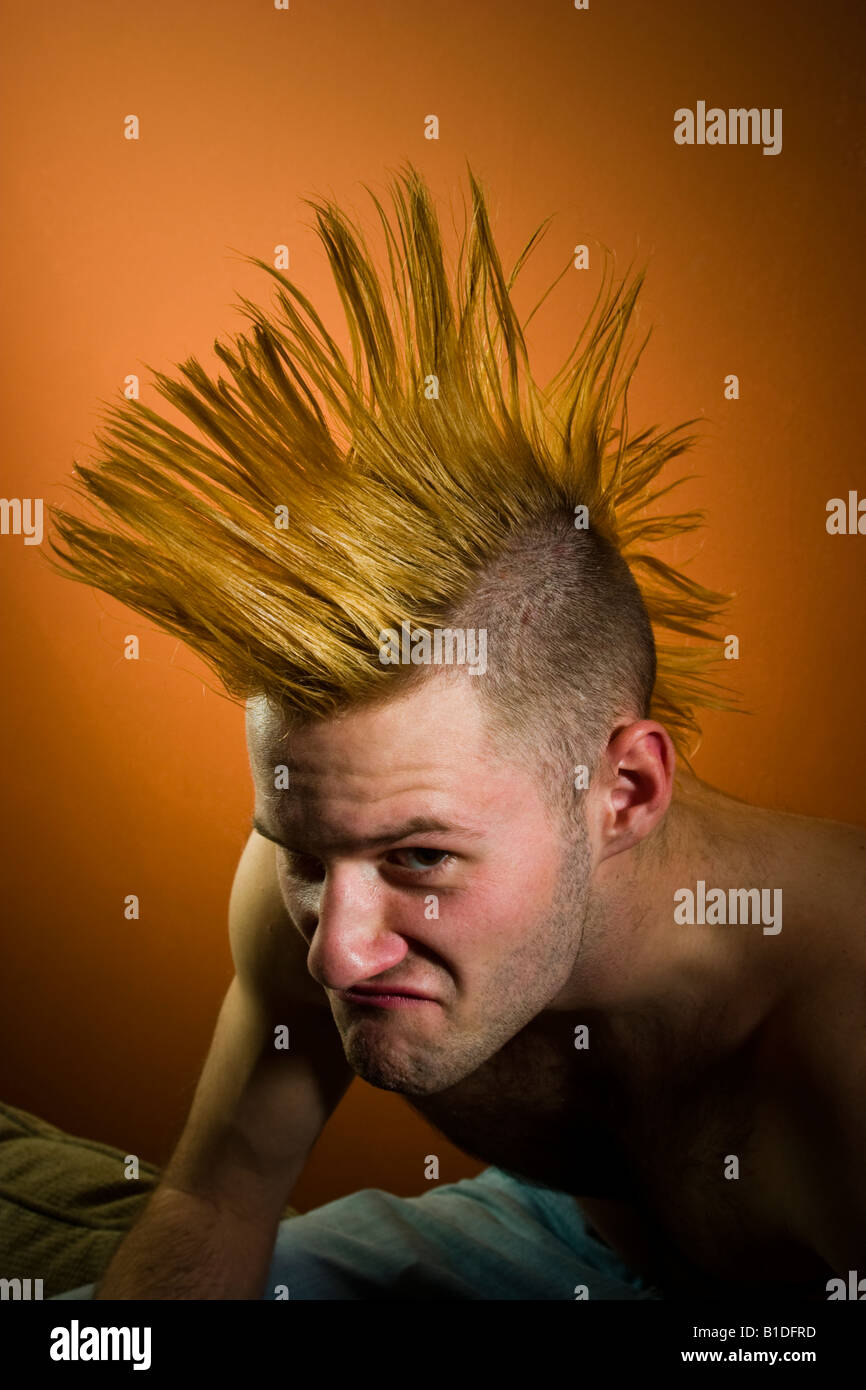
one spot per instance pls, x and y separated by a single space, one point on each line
402 498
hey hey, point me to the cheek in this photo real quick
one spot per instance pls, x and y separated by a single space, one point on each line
525 881
505 905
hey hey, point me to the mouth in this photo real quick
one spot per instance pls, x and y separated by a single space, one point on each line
384 999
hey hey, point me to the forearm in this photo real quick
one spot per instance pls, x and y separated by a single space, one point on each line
209 1229
185 1247
270 1116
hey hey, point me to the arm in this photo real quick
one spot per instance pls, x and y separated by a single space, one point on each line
209 1229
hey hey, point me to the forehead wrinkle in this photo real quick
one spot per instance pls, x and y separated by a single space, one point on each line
439 763
456 759
414 825
337 808
319 807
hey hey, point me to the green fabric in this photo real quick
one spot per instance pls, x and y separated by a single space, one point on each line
64 1202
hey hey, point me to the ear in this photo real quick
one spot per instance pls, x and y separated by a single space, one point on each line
634 786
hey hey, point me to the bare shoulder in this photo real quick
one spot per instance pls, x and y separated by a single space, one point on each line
269 952
825 863
822 1057
819 864
819 1077
823 1017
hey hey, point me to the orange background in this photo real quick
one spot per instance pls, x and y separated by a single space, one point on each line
132 776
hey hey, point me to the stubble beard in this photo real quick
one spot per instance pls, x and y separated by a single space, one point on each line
518 990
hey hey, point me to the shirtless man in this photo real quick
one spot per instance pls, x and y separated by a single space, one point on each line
510 846
705 1041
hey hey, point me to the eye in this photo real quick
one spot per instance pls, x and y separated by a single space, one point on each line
427 865
304 868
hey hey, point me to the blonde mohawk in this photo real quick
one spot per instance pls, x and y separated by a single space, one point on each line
398 497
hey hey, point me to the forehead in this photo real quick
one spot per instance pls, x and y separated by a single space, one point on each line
431 743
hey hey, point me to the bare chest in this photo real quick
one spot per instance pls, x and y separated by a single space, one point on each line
669 1171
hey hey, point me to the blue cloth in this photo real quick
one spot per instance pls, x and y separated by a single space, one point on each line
495 1236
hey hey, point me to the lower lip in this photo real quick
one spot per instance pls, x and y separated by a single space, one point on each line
383 1001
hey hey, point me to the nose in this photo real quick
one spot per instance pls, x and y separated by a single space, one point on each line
351 939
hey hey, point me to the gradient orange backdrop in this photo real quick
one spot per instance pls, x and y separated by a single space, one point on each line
132 776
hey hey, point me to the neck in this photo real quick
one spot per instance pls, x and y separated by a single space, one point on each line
696 992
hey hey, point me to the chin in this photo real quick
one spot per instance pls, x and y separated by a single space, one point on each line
390 1070
394 1074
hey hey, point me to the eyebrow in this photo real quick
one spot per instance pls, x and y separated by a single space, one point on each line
416 825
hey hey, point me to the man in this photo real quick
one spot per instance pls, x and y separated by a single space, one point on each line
492 889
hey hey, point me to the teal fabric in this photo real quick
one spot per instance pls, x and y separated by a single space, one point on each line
490 1237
